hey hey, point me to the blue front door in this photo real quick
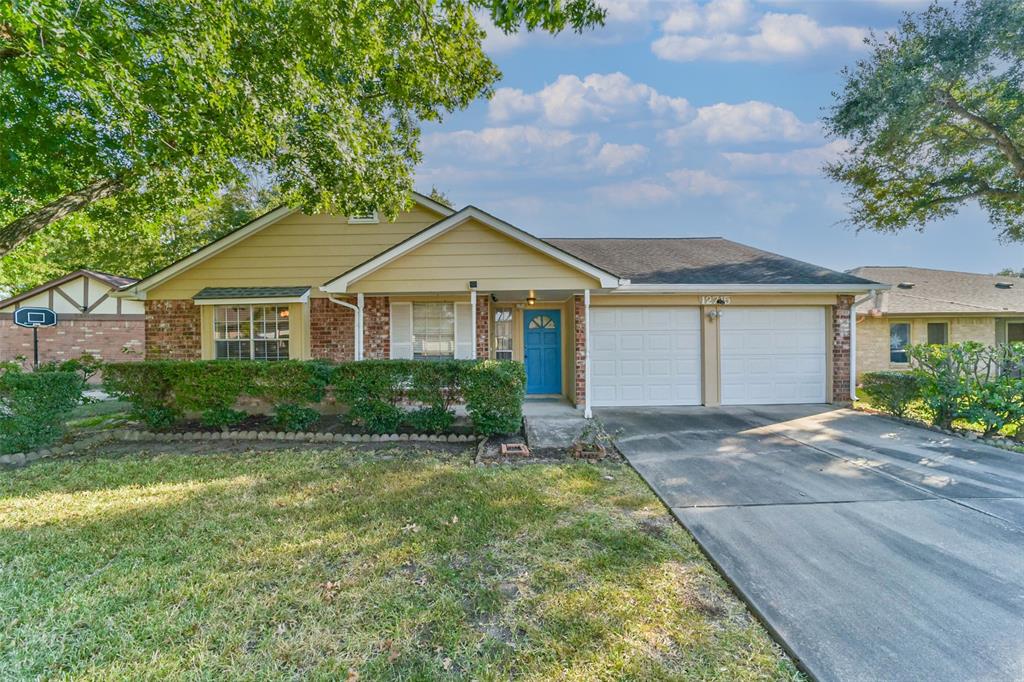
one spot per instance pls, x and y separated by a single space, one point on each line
543 350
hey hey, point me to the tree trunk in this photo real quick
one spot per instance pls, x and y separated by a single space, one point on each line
27 225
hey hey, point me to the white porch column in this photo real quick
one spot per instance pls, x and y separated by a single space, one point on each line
472 306
359 327
587 412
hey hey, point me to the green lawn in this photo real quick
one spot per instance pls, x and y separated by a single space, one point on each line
335 565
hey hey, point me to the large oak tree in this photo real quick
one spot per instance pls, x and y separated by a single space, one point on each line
146 107
935 117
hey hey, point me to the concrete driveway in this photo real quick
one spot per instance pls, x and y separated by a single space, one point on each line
873 550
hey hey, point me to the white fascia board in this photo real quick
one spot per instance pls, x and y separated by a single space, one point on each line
426 202
747 288
339 285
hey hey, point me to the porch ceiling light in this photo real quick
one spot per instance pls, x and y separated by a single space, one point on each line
531 298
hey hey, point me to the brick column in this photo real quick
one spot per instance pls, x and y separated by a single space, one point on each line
580 349
483 326
332 330
841 349
376 328
173 330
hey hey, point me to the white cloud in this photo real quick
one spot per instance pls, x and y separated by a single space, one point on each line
571 100
751 121
513 145
613 158
693 33
700 182
671 187
807 161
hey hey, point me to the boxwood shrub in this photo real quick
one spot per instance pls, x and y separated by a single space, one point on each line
891 392
34 407
381 395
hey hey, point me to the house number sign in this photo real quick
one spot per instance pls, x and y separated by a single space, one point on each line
715 300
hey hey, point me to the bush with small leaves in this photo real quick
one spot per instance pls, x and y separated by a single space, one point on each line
291 417
891 392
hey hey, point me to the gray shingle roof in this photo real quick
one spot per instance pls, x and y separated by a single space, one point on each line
942 291
251 292
698 260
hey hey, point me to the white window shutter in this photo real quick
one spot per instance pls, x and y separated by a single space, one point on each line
463 331
401 331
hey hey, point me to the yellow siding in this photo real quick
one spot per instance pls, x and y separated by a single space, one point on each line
472 251
299 250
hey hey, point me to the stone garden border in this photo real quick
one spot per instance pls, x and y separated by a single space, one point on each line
20 459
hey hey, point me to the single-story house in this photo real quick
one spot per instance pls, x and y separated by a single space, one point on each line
601 322
89 320
933 306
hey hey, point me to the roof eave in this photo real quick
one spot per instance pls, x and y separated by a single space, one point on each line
639 288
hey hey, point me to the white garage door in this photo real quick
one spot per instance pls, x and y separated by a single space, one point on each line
645 356
772 356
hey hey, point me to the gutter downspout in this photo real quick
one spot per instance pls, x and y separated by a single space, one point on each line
853 343
358 312
587 412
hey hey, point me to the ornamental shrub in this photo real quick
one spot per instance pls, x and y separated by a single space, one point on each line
221 416
430 420
34 407
494 391
372 389
292 417
149 387
891 392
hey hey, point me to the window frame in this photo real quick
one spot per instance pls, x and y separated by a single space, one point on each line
928 333
413 332
903 349
495 350
253 338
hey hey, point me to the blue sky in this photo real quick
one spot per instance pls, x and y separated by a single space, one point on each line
686 118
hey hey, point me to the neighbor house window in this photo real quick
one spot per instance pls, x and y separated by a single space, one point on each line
433 331
938 333
899 339
250 332
502 333
1015 332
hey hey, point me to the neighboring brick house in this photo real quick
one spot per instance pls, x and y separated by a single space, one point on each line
602 322
923 305
90 320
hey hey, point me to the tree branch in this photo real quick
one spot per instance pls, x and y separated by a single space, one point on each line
1002 140
24 227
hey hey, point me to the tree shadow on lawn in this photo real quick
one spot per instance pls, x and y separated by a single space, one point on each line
295 566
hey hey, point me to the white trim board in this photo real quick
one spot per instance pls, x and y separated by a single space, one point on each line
340 284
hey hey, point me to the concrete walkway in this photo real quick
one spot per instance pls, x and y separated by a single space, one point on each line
873 550
551 423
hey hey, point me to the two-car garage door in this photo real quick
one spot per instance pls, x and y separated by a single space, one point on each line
651 355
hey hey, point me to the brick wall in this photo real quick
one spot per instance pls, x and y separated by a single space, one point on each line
173 330
841 349
873 337
103 337
483 326
580 349
376 328
331 330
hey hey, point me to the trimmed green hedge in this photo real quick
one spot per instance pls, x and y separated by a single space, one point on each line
377 392
891 392
34 407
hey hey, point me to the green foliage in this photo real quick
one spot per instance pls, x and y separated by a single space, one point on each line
86 366
292 381
973 382
146 108
891 392
494 391
935 117
148 386
34 407
221 416
430 420
291 417
372 390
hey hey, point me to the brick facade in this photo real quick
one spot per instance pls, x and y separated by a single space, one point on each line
580 349
331 330
106 337
483 326
173 330
377 328
841 349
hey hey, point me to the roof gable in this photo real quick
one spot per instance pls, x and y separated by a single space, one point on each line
139 289
523 241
